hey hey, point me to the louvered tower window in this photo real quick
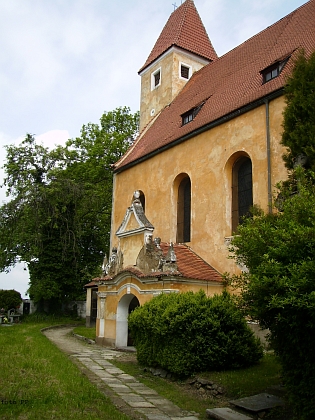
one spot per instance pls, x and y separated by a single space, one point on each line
156 79
184 71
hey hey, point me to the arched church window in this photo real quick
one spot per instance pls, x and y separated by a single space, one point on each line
184 210
242 190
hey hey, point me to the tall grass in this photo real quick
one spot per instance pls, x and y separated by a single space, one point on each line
38 381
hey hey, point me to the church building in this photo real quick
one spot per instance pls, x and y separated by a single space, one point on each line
209 147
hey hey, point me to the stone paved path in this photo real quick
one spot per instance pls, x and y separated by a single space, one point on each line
129 395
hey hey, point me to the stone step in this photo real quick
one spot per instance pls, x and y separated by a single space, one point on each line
259 402
226 414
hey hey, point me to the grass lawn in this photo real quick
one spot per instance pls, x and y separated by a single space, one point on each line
39 382
85 332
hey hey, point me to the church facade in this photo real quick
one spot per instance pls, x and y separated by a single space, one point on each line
209 147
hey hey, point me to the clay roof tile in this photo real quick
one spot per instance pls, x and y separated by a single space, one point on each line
183 29
228 84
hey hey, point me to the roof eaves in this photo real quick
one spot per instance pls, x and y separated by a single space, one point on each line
204 128
168 49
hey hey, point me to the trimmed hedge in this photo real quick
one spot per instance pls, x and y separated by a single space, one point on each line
187 333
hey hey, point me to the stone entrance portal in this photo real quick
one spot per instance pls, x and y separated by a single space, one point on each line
125 306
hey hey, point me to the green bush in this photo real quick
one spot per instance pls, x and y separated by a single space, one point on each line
10 299
187 333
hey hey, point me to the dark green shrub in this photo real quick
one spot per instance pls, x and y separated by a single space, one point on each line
10 299
186 333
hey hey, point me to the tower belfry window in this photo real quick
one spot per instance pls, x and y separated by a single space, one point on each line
184 71
155 79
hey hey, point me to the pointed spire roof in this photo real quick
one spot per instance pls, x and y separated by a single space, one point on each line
184 29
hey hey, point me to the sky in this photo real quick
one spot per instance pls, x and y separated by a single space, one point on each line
63 63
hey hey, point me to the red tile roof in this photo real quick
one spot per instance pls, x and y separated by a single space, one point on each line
189 265
228 84
93 283
183 29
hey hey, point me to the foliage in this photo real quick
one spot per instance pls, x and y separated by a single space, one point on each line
279 290
299 116
10 299
58 217
187 332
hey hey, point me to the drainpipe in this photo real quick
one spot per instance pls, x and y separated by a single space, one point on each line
268 156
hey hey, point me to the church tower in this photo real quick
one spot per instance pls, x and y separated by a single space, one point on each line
182 48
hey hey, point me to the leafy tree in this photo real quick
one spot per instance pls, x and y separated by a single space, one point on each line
279 249
299 115
9 299
58 216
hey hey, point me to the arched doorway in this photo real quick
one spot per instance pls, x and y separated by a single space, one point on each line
125 306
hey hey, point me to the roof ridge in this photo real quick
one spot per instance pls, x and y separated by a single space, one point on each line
184 16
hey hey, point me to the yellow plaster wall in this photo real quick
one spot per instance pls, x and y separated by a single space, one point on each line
171 83
279 172
207 159
131 285
158 97
130 247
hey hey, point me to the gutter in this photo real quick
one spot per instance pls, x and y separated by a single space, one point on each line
267 100
219 121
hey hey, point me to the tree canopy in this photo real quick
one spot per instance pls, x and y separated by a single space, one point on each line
299 116
57 219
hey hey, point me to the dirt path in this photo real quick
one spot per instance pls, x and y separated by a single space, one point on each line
62 338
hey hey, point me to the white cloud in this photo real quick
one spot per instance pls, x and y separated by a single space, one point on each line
53 138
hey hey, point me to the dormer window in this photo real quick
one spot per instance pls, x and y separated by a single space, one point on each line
185 71
273 71
190 115
155 79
